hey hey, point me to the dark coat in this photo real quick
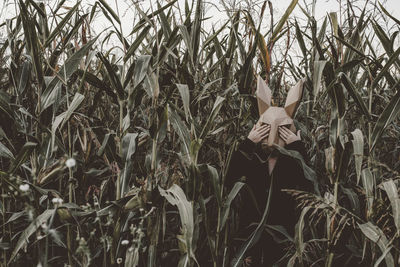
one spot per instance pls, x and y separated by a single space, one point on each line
251 162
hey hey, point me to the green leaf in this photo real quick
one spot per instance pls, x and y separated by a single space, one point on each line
196 30
69 67
176 197
350 46
138 41
24 77
5 104
368 184
32 41
283 20
184 92
164 21
5 152
300 39
96 82
188 42
213 173
38 9
388 14
337 96
141 66
15 216
342 159
64 117
319 66
376 235
113 77
358 151
388 115
385 69
246 71
128 149
214 35
227 204
335 23
148 17
211 119
23 154
354 94
393 195
110 10
261 44
61 25
24 237
76 101
182 131
151 85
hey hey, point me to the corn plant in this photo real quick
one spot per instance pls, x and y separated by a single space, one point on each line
119 158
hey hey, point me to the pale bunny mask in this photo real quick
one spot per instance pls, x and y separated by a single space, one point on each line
277 116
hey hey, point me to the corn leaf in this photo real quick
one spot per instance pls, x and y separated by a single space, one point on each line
377 236
24 237
388 115
282 21
393 195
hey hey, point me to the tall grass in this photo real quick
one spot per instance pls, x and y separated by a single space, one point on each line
111 160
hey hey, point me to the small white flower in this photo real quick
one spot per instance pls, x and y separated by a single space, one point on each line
24 187
44 225
71 162
119 260
124 242
57 200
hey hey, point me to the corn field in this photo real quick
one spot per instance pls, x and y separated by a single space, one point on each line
117 156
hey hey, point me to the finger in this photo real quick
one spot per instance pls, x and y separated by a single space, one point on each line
263 127
264 136
284 137
282 132
261 131
286 130
264 130
298 133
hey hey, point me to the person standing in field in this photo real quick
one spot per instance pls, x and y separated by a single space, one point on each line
266 171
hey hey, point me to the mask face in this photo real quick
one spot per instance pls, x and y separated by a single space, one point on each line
277 116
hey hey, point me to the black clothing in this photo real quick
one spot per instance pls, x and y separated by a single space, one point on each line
250 161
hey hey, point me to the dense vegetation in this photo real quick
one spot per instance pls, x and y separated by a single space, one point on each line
117 156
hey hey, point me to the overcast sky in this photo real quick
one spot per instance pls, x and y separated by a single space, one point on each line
125 8
214 10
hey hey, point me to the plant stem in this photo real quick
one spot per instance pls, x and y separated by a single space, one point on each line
121 120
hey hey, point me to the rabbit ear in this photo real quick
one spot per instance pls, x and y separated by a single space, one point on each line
293 98
263 95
